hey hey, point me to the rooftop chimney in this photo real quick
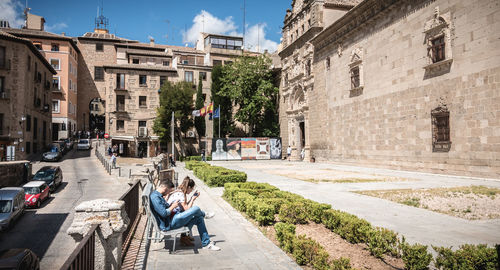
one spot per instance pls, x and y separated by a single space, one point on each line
63 34
4 24
35 22
151 41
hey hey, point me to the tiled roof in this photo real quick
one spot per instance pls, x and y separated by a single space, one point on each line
106 36
27 42
30 33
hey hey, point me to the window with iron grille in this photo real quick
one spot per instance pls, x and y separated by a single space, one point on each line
441 130
98 73
355 82
99 47
437 49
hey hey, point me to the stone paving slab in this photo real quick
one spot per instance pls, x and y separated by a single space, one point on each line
416 224
243 245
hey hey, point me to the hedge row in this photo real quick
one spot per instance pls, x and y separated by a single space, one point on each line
215 176
264 202
194 158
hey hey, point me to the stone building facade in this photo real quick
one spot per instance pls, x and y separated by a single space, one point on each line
62 53
306 19
25 95
410 85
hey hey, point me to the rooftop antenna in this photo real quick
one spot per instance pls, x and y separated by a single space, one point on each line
101 22
26 11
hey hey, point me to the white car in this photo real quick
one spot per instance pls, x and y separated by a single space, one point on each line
83 144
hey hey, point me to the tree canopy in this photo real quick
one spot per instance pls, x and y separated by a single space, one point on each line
177 98
224 102
249 83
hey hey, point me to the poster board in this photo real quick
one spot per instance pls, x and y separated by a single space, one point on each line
263 148
248 148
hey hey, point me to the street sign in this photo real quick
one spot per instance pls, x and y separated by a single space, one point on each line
106 135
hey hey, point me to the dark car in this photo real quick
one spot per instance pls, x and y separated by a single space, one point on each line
69 144
54 154
19 258
52 175
63 146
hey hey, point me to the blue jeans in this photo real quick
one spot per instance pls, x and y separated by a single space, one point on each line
190 217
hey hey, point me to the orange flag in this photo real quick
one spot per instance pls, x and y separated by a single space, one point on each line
210 108
203 111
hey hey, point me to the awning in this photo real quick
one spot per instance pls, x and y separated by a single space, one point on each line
123 138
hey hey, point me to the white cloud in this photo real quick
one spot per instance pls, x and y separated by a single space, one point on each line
12 10
55 27
205 22
256 39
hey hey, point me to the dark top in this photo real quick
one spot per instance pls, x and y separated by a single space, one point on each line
160 211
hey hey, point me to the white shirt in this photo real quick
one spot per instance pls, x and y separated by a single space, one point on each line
289 150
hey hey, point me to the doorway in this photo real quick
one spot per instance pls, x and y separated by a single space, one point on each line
302 127
142 149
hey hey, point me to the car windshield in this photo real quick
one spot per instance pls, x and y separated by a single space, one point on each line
54 148
31 190
5 206
83 141
44 175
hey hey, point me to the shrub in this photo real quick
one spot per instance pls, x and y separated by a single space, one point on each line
214 175
262 212
285 233
349 227
305 250
316 210
320 261
241 200
293 212
341 264
275 203
381 241
467 257
415 256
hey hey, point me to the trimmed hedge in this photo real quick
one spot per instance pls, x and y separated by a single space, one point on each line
215 176
263 202
195 158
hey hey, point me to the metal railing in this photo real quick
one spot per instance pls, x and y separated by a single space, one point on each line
82 258
131 199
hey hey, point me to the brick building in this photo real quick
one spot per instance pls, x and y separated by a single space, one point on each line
62 53
25 96
402 84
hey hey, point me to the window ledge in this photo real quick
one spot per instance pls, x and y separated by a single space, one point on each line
440 64
143 85
120 89
354 92
441 146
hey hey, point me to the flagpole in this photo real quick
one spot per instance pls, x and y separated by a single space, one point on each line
172 134
219 120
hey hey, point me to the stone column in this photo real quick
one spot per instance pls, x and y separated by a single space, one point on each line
296 142
112 220
307 147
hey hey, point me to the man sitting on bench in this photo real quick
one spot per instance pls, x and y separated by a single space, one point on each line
162 212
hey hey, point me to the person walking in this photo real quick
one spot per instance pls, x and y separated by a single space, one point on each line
113 161
288 152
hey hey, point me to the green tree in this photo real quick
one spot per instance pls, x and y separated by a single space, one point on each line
199 122
224 102
177 98
249 82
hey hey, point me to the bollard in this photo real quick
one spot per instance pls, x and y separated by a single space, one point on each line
120 172
129 173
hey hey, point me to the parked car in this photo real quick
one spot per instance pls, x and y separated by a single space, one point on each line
19 258
69 144
36 192
83 144
62 146
52 175
55 153
11 205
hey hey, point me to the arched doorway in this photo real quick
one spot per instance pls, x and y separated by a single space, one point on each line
97 116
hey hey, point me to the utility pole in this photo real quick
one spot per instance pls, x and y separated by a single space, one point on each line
244 23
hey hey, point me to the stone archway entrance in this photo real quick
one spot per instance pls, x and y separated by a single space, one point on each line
97 116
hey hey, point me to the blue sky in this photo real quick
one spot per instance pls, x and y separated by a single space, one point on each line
168 21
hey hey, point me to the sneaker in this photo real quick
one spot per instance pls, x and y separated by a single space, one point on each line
209 215
212 247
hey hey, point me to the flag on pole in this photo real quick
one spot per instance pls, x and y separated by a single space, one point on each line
203 111
217 112
196 113
210 108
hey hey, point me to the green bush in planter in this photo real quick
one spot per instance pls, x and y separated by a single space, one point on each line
320 261
467 257
293 212
341 264
381 241
285 233
261 211
305 250
241 200
316 210
415 256
275 203
349 227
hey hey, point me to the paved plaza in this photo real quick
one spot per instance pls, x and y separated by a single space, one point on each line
416 224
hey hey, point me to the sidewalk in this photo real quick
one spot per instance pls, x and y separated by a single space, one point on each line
243 245
416 224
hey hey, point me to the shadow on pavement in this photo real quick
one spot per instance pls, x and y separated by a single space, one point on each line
33 231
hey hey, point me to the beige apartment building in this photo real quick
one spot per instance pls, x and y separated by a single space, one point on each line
25 96
126 76
62 53
410 85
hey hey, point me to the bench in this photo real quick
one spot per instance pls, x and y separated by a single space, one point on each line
158 235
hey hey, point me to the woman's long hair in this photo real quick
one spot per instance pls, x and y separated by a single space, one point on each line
186 183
